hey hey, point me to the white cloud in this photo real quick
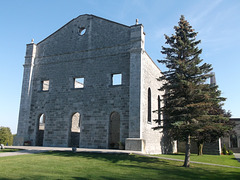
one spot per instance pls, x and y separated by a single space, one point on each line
202 10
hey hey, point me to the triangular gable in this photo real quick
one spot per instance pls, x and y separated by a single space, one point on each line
84 33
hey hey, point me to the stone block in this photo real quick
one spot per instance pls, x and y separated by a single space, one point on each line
18 141
135 144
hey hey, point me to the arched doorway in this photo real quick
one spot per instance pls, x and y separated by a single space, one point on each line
40 130
114 131
75 130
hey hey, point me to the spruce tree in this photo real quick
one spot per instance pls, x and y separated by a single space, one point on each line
187 95
216 124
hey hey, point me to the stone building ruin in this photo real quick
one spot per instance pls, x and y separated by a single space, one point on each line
91 84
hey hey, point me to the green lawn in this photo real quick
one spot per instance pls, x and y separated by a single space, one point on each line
228 160
67 165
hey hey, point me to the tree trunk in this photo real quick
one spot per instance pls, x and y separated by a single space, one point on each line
200 148
187 152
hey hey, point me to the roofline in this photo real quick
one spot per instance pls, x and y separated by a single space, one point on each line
235 119
153 62
106 20
56 31
77 18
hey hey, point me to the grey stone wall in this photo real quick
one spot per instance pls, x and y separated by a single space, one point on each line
94 102
102 51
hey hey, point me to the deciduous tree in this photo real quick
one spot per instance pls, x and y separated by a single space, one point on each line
6 136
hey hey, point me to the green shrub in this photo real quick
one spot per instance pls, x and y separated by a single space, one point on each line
224 150
230 152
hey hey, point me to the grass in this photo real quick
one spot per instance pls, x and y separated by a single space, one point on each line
228 160
9 150
68 165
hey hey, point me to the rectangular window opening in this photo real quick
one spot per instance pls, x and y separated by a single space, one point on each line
116 79
45 85
78 83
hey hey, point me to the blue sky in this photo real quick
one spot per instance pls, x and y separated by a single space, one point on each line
217 21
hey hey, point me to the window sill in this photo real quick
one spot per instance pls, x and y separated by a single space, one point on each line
115 85
43 91
77 89
150 123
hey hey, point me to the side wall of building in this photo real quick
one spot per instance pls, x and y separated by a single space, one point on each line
150 103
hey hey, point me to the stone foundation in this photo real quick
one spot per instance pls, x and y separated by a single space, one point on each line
135 144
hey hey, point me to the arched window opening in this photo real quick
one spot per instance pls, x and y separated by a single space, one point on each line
149 106
114 130
159 111
40 131
74 130
42 119
76 117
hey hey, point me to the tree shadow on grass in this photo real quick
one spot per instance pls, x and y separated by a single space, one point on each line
180 172
9 150
111 157
138 167
237 159
165 169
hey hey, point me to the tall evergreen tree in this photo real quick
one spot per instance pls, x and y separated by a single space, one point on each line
188 98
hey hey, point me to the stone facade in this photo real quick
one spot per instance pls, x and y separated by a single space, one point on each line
213 148
73 70
232 142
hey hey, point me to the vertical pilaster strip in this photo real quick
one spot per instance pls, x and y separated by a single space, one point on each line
25 103
137 47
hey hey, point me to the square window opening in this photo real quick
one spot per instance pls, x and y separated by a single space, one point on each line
45 85
116 79
78 83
